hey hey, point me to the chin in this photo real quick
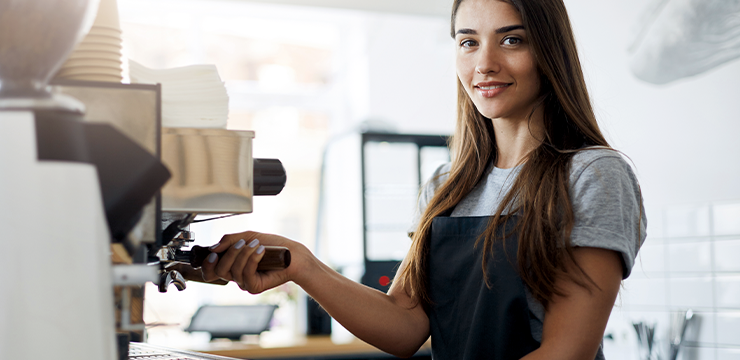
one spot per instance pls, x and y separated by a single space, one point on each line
491 114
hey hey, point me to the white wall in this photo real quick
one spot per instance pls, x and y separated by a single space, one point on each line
412 73
682 138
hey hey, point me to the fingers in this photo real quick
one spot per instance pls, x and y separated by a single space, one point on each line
241 260
253 281
241 254
226 261
210 267
231 239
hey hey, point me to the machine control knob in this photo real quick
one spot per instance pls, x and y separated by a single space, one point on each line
269 176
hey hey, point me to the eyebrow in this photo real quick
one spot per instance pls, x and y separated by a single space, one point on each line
500 30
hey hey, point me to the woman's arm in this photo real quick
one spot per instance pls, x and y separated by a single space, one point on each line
390 322
574 324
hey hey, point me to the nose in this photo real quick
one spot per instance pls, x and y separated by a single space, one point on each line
488 60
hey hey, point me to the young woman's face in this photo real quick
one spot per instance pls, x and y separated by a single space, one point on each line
494 61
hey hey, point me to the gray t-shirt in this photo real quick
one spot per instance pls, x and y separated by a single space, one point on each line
606 200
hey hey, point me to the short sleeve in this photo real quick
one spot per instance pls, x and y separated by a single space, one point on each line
427 192
607 205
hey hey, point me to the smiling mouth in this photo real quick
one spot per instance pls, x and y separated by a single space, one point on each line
492 87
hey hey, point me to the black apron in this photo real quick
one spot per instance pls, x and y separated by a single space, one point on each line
468 320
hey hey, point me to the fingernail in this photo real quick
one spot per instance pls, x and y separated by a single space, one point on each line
254 243
260 249
212 257
214 246
239 244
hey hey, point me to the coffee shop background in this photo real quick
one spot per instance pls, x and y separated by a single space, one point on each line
309 79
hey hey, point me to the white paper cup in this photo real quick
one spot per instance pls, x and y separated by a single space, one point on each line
102 38
108 14
95 54
85 46
91 70
93 77
93 62
105 31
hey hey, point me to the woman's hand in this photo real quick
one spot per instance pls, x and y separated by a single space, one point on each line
392 322
244 251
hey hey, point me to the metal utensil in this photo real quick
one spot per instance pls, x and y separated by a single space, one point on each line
645 340
680 322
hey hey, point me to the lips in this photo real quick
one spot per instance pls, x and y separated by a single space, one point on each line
491 88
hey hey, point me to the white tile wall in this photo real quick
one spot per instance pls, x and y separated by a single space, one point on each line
727 255
651 257
697 353
726 219
728 292
690 257
728 354
686 221
644 291
695 264
701 329
728 328
655 226
691 292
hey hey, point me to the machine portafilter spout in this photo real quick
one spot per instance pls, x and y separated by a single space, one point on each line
171 277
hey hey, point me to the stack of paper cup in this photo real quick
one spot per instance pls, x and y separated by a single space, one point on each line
98 56
192 96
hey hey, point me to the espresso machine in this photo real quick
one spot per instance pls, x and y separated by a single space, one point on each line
96 198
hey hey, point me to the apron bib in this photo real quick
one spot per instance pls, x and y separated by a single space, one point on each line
467 319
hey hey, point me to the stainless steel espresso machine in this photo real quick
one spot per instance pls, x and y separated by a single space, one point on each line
96 197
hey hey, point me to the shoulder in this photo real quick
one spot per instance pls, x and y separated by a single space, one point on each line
598 174
439 176
426 193
598 160
599 166
607 204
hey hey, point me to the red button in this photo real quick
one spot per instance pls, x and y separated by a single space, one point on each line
384 280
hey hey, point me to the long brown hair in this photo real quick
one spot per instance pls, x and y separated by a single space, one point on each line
539 195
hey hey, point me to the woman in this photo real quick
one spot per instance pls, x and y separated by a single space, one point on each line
523 240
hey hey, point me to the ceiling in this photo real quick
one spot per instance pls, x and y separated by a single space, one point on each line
439 8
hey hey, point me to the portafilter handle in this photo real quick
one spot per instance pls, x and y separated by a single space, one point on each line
275 258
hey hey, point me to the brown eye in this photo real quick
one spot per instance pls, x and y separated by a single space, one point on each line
512 41
468 43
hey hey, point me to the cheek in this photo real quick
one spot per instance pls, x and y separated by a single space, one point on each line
464 74
534 73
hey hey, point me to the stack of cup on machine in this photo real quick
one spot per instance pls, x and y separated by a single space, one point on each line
98 56
192 96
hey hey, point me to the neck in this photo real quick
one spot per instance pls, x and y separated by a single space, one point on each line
516 138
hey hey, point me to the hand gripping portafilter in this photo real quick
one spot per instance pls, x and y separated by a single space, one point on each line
275 258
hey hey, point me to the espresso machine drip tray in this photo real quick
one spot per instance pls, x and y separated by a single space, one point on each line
140 351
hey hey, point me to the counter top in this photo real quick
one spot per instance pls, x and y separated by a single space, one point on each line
308 347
